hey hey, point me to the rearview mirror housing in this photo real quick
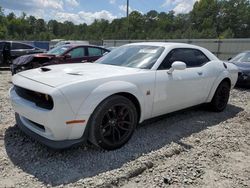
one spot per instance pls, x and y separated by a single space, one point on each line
177 65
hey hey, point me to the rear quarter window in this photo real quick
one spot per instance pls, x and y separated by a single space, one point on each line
95 51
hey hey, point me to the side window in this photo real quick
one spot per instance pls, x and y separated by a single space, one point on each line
77 53
192 57
95 51
7 46
17 46
198 58
104 51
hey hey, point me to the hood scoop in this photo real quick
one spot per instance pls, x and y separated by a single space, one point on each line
44 69
75 73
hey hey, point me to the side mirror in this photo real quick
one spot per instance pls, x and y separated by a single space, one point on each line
67 56
177 65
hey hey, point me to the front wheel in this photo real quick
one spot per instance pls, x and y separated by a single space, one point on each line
113 122
221 96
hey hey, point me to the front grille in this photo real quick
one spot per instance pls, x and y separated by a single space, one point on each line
41 127
41 100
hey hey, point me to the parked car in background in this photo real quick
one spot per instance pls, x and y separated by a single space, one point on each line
111 48
10 50
242 61
104 101
73 42
60 55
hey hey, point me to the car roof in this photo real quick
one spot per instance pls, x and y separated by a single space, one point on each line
85 45
166 44
10 41
172 45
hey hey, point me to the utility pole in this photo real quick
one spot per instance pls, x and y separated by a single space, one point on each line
128 19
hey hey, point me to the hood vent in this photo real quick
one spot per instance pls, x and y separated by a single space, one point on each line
44 69
75 73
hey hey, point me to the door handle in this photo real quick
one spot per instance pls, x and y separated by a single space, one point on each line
200 73
84 61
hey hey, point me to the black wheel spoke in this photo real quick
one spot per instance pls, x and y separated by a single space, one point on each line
119 134
126 122
113 112
105 126
107 133
125 114
108 115
113 134
122 110
122 127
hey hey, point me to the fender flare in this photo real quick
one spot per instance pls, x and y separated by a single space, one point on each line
218 80
108 89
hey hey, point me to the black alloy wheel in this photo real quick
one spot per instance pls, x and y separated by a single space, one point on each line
221 97
117 124
113 122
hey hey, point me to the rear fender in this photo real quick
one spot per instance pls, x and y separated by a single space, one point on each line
218 80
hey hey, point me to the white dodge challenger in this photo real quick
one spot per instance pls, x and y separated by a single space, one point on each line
102 102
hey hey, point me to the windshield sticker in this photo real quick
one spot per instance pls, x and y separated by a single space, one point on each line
148 51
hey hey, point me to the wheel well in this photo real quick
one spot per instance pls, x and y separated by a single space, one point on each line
134 100
227 80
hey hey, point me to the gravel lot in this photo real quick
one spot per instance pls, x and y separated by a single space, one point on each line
191 148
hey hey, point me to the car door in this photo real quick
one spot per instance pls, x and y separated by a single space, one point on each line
181 88
19 49
94 53
77 55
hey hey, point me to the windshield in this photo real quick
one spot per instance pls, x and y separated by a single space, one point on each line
242 57
58 50
140 56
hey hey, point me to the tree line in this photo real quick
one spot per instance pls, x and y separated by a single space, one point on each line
207 19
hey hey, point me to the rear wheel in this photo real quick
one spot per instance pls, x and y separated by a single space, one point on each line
220 98
113 122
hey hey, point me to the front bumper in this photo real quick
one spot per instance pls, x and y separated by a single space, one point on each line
50 125
51 143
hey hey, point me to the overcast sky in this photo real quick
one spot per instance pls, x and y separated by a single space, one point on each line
85 11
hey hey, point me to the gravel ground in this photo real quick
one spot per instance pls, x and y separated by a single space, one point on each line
190 148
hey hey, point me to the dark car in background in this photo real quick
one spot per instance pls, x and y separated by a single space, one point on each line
242 61
70 53
10 50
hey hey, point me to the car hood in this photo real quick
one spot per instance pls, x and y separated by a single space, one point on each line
44 55
243 65
25 59
57 75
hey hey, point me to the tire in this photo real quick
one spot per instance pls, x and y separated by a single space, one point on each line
113 123
220 98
